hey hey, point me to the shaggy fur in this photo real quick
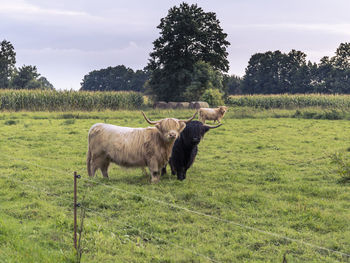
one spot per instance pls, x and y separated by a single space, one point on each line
133 147
212 114
186 147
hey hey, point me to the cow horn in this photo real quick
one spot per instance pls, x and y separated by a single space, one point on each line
190 119
212 127
150 122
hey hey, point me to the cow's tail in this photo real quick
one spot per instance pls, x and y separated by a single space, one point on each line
88 162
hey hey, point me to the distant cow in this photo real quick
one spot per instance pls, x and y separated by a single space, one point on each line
198 104
212 114
133 147
186 147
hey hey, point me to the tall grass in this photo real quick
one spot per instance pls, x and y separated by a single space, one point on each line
39 100
286 101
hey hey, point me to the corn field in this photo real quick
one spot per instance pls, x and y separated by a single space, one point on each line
40 100
290 101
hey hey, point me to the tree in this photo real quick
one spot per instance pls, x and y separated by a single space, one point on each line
188 35
232 85
27 77
203 77
332 75
44 83
23 76
7 63
114 78
276 72
341 60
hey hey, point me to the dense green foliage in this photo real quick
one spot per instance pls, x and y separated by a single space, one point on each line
213 97
7 63
117 78
273 175
188 35
276 73
41 100
25 77
290 101
232 84
204 77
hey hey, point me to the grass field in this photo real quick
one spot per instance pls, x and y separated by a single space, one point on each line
260 188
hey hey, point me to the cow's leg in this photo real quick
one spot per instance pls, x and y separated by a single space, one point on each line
154 169
173 170
163 170
181 174
104 168
96 163
184 175
93 167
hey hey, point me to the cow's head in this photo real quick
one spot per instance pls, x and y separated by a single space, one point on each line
223 109
169 128
194 132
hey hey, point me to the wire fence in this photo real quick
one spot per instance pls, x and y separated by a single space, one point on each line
198 213
40 190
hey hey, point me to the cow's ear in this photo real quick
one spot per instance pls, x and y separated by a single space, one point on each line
158 126
182 126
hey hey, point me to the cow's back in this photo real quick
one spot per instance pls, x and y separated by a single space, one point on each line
123 145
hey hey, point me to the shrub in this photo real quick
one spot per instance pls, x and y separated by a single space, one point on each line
213 97
286 101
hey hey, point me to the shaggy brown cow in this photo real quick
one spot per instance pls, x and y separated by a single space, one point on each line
212 114
133 147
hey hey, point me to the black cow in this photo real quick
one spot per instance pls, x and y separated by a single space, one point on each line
186 147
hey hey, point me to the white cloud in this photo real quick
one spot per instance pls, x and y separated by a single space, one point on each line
21 8
340 29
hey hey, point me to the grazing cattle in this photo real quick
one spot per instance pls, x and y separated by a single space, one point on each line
198 104
212 114
186 147
133 147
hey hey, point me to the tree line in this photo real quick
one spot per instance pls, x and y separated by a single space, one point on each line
189 62
25 77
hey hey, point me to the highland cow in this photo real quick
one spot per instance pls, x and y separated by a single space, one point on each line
212 114
186 147
133 147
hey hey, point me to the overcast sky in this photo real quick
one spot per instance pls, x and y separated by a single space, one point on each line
68 39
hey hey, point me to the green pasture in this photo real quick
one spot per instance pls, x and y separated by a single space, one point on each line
263 186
